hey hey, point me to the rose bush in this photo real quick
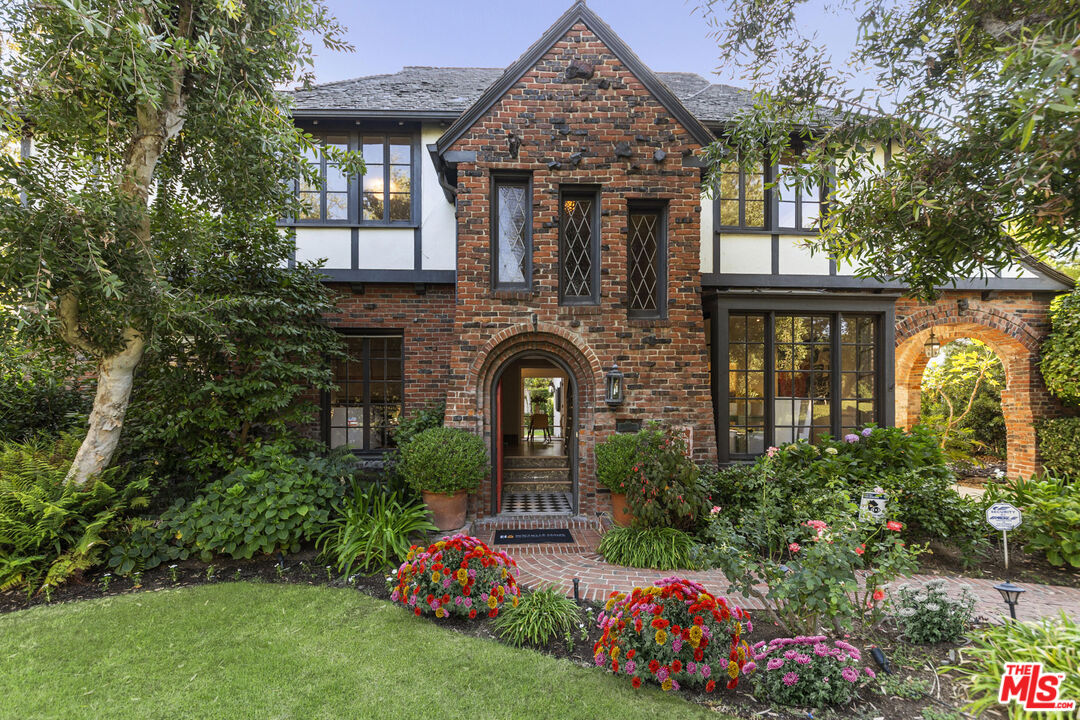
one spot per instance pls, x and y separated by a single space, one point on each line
807 671
459 575
674 633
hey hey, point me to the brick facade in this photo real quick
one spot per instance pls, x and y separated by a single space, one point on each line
1013 325
568 131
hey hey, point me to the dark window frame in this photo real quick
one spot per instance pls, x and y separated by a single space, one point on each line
514 179
414 178
769 211
571 192
324 399
660 209
351 184
772 207
720 307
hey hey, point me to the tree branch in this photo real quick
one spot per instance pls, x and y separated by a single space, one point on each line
67 311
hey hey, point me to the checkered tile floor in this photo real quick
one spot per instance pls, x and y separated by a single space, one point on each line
536 503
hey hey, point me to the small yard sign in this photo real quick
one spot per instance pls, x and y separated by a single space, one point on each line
872 506
1003 516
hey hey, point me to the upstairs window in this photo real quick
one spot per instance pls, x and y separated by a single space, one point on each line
327 199
743 202
511 245
796 208
579 248
388 180
647 261
741 198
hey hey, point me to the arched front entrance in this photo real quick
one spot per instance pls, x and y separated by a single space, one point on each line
1024 398
534 438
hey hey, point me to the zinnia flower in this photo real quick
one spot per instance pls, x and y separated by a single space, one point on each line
710 686
636 682
870 672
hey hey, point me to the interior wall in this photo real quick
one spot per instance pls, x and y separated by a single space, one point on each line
511 400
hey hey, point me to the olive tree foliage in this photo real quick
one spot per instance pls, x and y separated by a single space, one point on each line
977 101
159 153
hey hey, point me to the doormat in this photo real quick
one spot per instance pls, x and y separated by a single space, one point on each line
521 537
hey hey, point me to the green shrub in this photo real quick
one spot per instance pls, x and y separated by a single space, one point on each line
661 548
1051 507
372 530
1053 642
1059 446
41 390
48 529
808 671
662 485
1060 363
275 501
444 460
409 427
929 615
538 617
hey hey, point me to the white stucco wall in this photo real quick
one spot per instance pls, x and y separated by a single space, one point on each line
386 248
797 259
439 241
745 254
332 244
705 254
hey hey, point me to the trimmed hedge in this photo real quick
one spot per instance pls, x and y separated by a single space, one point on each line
444 460
1059 446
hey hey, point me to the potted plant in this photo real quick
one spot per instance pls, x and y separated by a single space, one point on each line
616 459
444 464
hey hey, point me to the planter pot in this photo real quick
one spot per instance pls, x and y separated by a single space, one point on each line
447 509
620 513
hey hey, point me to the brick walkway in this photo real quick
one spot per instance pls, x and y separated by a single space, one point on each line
558 565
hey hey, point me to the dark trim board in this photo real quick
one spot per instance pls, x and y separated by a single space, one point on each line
850 282
432 277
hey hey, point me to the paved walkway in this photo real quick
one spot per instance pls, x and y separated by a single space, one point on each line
558 565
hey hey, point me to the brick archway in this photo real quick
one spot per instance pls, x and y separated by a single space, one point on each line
1007 331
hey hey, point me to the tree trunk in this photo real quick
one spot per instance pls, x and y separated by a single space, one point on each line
115 375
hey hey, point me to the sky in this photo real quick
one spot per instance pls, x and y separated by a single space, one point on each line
667 34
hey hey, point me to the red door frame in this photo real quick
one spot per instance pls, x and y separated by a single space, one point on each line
498 447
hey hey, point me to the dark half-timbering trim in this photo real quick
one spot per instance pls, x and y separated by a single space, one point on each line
851 282
432 277
578 13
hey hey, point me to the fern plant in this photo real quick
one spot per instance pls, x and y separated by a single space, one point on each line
372 530
50 530
538 617
661 548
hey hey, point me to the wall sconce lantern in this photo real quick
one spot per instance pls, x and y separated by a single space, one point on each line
613 386
932 345
1011 595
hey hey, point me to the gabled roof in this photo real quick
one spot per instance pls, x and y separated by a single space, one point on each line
579 12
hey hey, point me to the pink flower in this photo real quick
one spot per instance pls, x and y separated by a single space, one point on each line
749 667
774 663
715 510
790 679
894 525
870 672
850 674
794 547
879 594
771 452
705 670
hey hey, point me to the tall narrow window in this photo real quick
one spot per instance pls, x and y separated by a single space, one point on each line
579 249
387 183
741 197
328 197
512 242
796 208
367 405
803 364
746 384
858 383
647 266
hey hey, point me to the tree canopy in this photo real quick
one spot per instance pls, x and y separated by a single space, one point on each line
976 102
160 146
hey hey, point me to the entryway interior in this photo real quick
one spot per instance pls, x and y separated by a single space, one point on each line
535 423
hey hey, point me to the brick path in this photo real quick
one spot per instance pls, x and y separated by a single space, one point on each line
558 565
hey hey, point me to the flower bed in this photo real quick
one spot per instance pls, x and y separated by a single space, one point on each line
459 575
673 633
807 671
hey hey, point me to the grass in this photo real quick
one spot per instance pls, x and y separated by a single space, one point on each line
241 650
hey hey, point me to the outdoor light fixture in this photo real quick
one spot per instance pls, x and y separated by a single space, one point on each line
613 386
932 345
1011 595
577 590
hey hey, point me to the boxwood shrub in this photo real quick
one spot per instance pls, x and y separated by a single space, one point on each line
1059 446
444 460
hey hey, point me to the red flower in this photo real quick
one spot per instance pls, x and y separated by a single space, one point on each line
676 666
631 653
879 594
710 686
698 620
445 599
417 612
698 654
894 525
654 666
472 614
861 549
794 547
493 612
614 666
636 682
659 623
732 684
430 597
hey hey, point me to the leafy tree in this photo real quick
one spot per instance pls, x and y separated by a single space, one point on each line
159 147
1060 363
962 398
977 101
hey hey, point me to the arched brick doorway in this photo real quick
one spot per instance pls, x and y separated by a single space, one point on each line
473 409
1024 398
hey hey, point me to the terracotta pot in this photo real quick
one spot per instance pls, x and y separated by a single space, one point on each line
620 513
447 509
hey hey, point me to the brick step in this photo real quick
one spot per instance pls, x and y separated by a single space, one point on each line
526 461
528 486
543 474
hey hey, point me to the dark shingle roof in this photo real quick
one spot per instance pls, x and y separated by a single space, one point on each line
451 90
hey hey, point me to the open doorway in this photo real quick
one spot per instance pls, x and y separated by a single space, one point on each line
534 438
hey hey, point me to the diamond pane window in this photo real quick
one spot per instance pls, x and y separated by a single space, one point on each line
578 249
366 406
645 276
512 246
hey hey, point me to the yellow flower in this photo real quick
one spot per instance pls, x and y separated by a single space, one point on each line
502 573
515 601
733 670
436 576
463 576
609 604
695 634
742 653
666 684
440 545
738 629
661 637
439 612
615 652
492 601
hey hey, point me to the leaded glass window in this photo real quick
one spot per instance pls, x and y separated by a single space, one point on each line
512 244
647 266
579 249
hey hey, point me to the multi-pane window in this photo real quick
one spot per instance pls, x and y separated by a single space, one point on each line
579 240
741 197
512 244
742 200
328 197
796 208
367 404
794 376
646 267
387 183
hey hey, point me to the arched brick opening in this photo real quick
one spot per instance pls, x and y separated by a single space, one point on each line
471 407
1023 399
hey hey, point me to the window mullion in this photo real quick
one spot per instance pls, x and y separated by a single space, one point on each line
366 360
386 179
836 405
770 379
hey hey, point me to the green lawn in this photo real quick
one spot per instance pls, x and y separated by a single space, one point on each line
239 650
